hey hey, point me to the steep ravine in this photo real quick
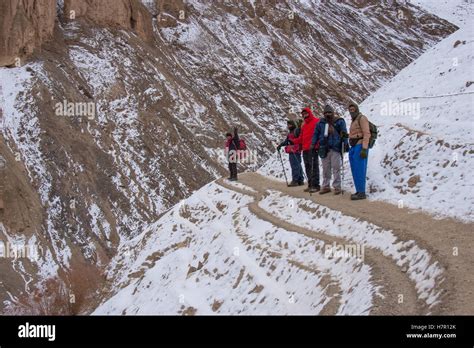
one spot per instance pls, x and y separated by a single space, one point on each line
165 80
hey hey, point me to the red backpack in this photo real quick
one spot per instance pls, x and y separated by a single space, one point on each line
242 144
242 151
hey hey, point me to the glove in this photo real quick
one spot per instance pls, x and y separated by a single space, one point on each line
278 148
363 153
344 135
312 147
346 147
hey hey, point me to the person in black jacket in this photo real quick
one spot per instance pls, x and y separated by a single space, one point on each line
231 148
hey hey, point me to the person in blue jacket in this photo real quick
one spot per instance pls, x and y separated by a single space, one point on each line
330 135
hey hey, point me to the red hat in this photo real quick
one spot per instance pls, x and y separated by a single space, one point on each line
308 110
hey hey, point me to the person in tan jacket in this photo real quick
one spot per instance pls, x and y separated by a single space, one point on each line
359 136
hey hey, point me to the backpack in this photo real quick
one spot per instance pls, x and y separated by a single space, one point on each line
294 148
242 144
373 132
242 150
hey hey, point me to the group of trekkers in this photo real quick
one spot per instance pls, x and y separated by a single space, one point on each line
326 138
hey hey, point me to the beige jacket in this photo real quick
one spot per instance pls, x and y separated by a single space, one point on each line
361 131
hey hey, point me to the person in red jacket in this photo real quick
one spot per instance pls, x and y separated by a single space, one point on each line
310 156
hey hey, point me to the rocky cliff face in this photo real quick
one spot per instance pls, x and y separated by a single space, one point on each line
122 113
24 26
126 14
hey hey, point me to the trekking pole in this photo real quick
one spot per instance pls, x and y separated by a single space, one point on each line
311 153
342 167
283 166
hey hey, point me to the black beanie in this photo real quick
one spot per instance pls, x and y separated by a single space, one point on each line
328 108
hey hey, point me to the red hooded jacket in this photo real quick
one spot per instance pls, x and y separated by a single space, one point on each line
307 130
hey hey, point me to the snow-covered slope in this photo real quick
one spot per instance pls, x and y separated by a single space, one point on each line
425 152
229 249
459 12
217 252
210 254
162 107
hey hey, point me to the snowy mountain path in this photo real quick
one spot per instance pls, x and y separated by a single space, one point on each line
439 239
386 274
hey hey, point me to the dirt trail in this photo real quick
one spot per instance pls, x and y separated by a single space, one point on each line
385 271
438 237
330 285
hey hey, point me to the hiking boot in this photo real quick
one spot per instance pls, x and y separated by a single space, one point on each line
314 189
233 179
337 191
293 184
325 190
307 189
300 183
358 196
